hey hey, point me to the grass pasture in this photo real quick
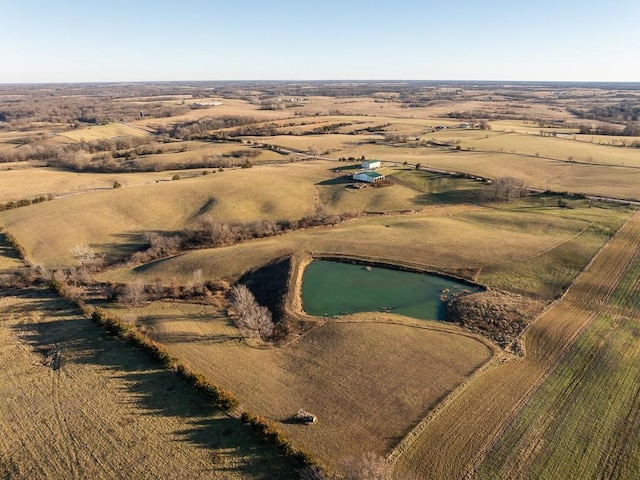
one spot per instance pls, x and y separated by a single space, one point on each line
364 402
557 148
115 220
18 184
559 176
454 444
197 152
104 410
597 417
438 401
510 248
98 132
324 143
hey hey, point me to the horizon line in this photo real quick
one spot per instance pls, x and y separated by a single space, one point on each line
346 80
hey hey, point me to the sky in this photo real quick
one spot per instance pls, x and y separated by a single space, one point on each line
160 40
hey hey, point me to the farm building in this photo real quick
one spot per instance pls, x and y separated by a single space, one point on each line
368 176
370 164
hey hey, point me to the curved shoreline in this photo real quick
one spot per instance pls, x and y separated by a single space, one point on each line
293 302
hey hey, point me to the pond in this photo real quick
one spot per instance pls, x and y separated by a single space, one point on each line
332 288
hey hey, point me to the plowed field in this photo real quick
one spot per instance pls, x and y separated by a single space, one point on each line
480 419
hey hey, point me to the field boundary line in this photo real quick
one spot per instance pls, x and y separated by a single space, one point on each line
538 373
550 367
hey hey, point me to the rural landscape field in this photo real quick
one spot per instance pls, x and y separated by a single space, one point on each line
155 289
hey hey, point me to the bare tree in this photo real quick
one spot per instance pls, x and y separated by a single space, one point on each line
134 293
314 150
507 189
196 283
253 320
84 254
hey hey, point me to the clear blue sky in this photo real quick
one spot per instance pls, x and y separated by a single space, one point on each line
144 40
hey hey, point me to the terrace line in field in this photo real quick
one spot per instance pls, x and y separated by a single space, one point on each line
331 288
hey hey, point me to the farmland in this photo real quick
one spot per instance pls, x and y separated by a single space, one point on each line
534 381
155 206
76 404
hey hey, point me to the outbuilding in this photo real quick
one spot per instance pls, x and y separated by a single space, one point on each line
368 176
370 164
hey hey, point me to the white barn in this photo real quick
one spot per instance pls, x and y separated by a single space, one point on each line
368 176
370 164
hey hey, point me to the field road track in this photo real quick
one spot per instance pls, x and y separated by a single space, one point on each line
455 441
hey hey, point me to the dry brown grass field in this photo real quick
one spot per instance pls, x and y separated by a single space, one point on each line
77 404
197 153
28 182
118 218
454 443
103 131
364 402
557 148
614 181
438 401
229 107
535 251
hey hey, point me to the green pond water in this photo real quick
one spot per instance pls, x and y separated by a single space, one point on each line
335 288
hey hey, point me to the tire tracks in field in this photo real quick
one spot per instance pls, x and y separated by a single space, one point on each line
71 447
597 296
455 442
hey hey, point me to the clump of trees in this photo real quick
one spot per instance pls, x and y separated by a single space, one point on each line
630 130
507 189
202 128
253 320
24 202
395 138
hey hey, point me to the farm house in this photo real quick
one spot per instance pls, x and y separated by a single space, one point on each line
370 164
368 176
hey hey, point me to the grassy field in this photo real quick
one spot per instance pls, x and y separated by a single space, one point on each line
28 183
198 152
115 220
454 444
9 259
99 132
533 250
560 176
556 148
440 402
364 402
589 404
103 410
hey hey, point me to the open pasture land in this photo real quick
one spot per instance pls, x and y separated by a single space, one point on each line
229 107
511 248
613 181
99 132
364 402
77 404
556 148
514 418
509 403
324 144
589 406
589 403
28 182
116 220
201 154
